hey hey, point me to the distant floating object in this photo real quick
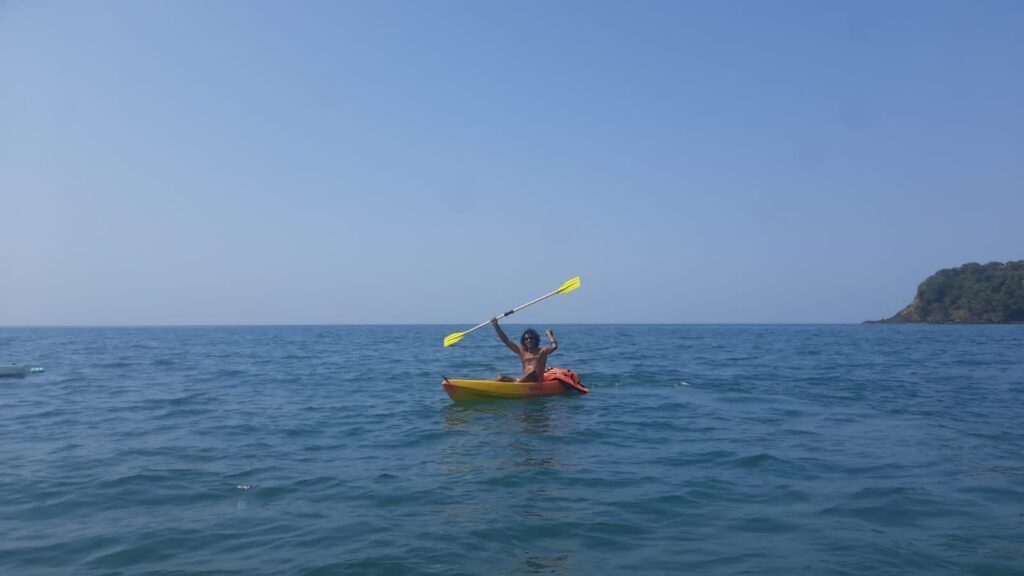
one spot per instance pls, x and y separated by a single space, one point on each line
17 371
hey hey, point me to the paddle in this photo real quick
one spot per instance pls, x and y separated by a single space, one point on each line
569 286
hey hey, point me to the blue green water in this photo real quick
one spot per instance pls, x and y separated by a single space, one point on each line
333 450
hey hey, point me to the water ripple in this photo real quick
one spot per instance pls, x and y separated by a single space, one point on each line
710 450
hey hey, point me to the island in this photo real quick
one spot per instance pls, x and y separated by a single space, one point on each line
974 293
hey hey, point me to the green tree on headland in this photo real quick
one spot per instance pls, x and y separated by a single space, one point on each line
990 293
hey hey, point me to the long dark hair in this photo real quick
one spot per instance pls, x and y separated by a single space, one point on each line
529 332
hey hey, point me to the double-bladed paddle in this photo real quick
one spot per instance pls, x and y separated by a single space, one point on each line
569 286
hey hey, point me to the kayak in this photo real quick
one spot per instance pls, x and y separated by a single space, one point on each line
556 381
13 371
17 371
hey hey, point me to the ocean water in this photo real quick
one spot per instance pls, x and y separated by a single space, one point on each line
317 450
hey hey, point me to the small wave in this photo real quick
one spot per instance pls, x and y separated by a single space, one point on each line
758 461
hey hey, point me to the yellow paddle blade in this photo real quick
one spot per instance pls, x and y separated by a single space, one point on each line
453 338
569 286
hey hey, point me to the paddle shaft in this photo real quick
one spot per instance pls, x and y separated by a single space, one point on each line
512 311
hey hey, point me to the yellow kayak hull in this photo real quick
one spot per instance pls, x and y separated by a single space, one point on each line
461 390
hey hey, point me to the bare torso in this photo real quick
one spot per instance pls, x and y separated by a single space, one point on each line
534 364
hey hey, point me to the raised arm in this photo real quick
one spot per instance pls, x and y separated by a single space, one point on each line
504 338
554 344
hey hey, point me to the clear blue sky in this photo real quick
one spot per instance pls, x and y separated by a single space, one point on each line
192 162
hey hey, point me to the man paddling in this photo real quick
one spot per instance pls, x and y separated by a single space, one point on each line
533 357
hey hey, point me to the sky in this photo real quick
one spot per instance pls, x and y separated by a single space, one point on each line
241 162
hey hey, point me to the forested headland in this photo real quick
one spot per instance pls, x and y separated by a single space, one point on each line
974 293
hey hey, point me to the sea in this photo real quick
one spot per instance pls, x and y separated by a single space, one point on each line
701 449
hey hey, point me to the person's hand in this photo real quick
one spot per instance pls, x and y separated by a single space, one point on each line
549 334
494 321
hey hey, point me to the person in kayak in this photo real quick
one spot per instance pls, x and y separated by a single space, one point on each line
533 357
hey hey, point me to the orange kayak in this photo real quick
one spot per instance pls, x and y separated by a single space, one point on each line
556 381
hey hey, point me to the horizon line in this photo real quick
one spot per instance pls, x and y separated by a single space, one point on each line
396 324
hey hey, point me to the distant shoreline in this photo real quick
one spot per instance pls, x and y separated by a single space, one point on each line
897 322
974 293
